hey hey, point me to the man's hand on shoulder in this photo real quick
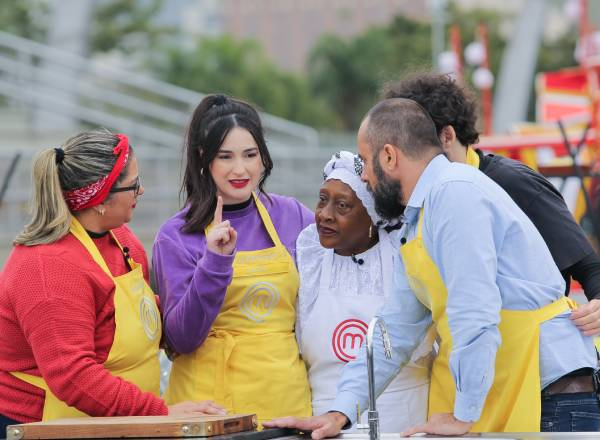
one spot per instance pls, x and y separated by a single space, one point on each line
323 426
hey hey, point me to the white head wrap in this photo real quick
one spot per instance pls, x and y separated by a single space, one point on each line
348 167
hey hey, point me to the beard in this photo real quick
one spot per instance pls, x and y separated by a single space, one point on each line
387 195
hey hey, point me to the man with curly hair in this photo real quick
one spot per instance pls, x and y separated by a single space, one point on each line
454 113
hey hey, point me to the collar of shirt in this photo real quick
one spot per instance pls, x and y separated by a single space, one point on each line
423 187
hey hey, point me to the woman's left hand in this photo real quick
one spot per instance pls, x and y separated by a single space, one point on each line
587 318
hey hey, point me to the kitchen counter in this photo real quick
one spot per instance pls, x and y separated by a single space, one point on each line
289 434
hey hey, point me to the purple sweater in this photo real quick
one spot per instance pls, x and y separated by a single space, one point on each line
192 280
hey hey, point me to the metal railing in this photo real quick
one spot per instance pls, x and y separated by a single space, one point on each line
153 112
36 77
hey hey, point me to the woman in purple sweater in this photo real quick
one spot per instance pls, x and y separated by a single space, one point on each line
226 275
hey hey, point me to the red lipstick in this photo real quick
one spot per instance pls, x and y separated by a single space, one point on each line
239 183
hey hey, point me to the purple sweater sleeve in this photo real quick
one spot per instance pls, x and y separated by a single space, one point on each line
191 288
308 217
290 217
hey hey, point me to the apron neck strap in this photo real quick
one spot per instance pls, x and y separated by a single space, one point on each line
81 234
472 158
266 219
420 224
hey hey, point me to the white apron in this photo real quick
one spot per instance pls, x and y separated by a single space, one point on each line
334 332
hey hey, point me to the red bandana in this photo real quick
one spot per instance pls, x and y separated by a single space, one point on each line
96 192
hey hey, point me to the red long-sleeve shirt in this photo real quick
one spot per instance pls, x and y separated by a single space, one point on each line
57 319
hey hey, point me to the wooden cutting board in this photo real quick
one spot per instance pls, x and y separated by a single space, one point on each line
132 427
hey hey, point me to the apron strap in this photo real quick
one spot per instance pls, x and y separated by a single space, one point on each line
130 261
79 232
264 215
36 381
472 158
420 224
553 309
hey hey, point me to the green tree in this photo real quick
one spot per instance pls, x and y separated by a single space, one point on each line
26 18
348 74
127 26
240 68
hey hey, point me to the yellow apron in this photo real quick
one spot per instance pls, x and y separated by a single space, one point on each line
472 158
134 353
513 403
250 361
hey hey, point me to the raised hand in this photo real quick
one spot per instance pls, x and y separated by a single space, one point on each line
221 238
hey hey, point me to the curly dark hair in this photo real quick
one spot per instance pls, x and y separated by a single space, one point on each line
447 102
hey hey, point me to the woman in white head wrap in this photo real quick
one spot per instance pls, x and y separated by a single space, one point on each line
346 264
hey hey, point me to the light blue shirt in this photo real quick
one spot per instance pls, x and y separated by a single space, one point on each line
490 257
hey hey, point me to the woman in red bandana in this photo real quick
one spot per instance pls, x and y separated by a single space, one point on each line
79 324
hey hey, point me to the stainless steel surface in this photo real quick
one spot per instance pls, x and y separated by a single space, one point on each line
373 415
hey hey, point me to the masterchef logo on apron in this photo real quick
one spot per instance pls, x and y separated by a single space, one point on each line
259 301
149 318
347 338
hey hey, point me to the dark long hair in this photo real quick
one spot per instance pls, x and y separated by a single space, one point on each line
212 120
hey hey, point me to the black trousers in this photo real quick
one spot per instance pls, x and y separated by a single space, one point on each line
4 422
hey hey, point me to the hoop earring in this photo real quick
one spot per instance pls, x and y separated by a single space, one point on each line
370 231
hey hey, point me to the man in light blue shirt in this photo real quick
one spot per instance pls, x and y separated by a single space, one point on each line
488 254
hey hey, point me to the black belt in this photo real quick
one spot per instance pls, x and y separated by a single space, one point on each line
585 380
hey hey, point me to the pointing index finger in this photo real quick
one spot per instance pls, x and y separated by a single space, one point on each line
218 218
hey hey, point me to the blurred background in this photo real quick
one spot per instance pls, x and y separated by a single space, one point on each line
312 67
